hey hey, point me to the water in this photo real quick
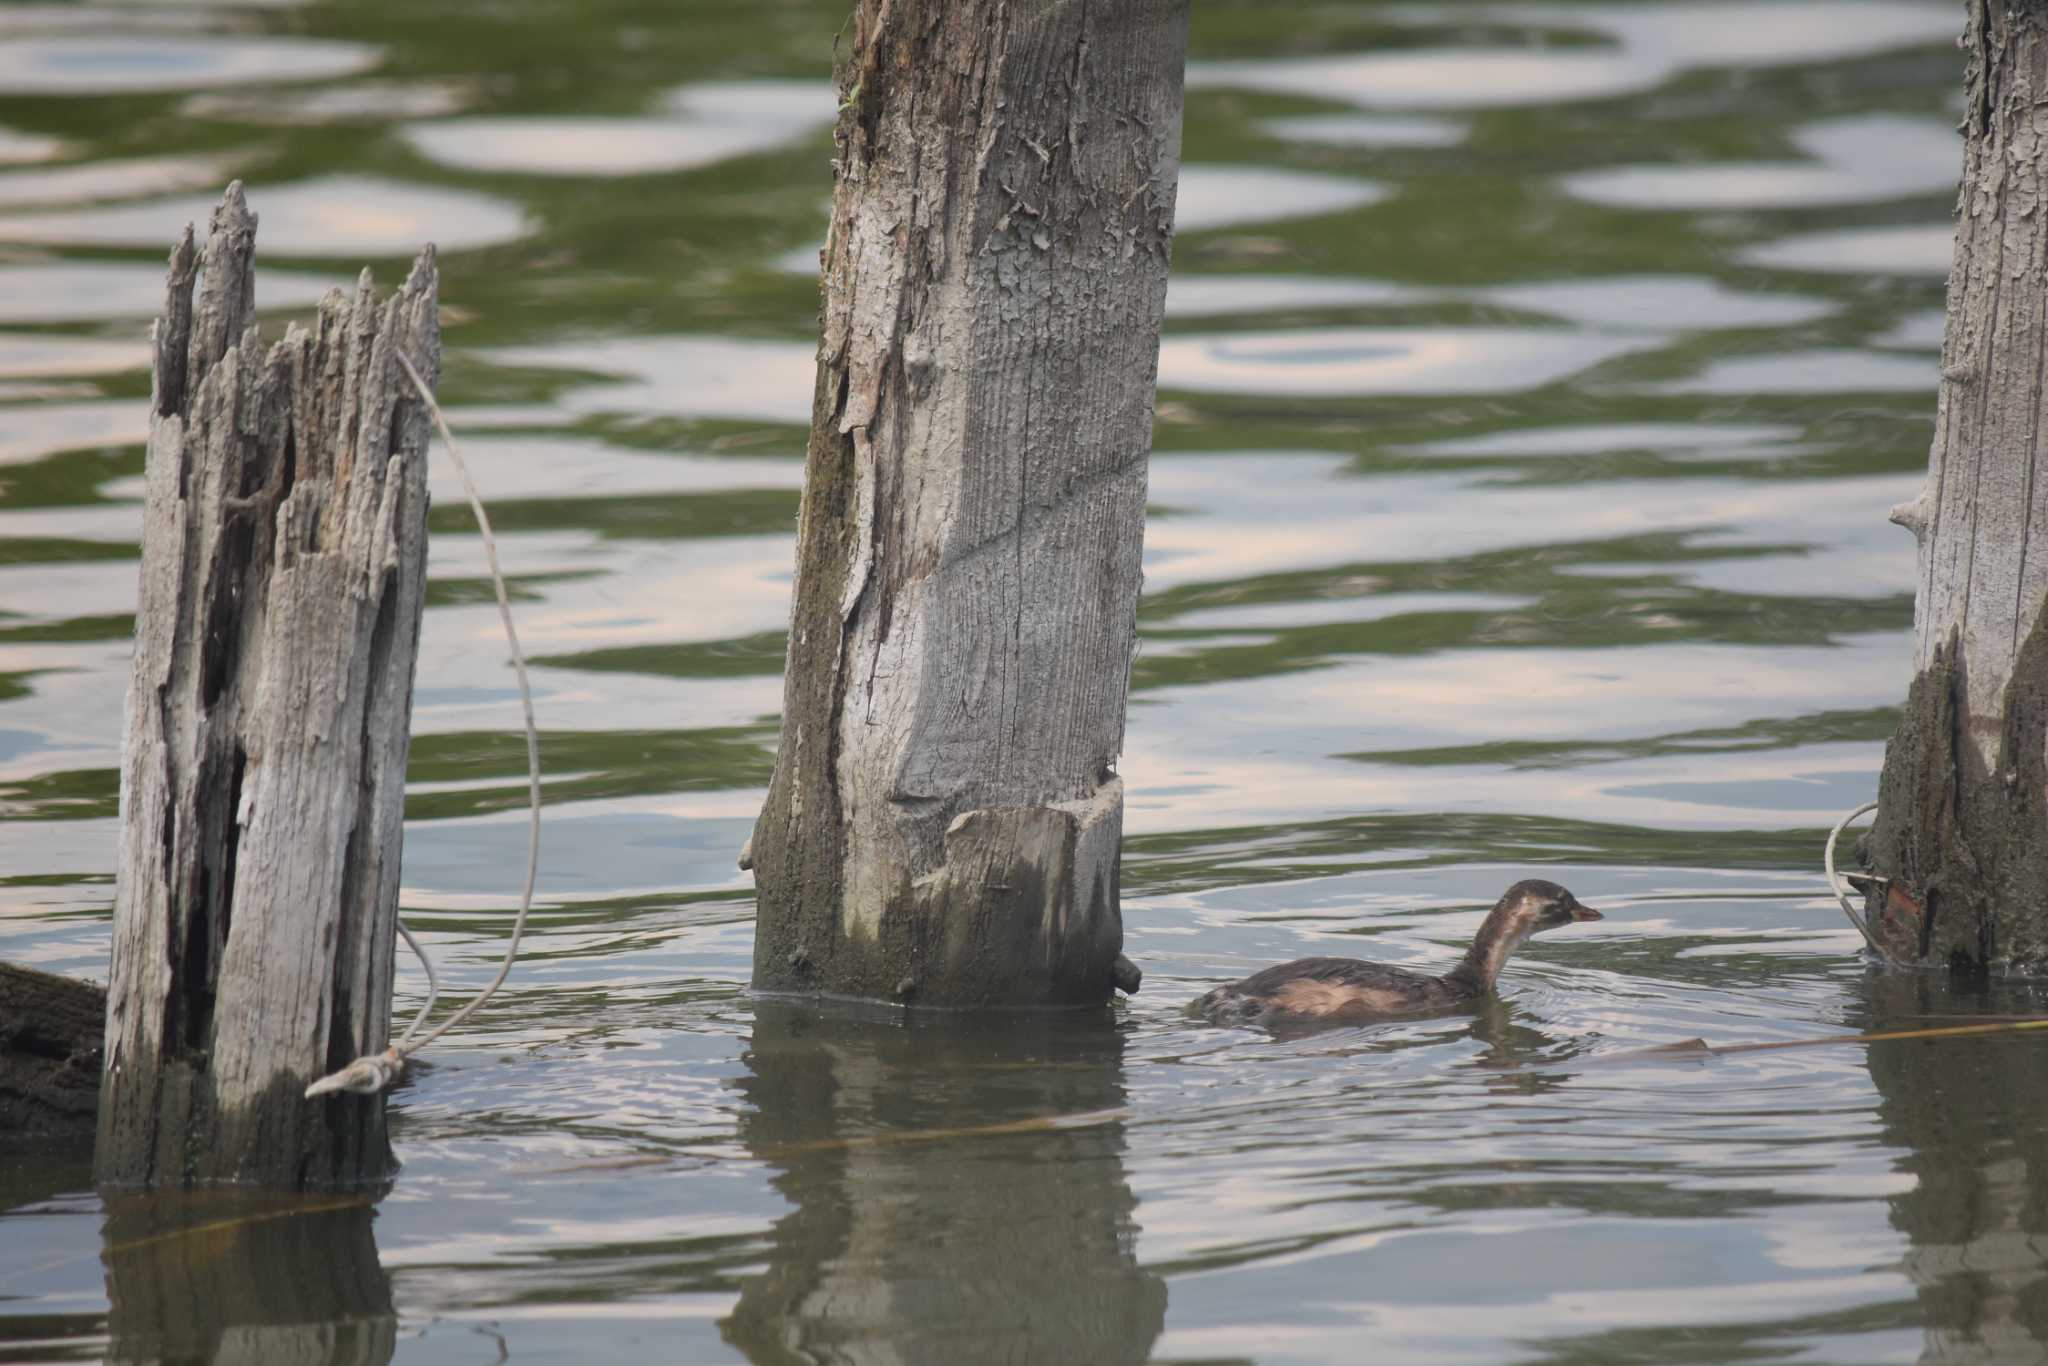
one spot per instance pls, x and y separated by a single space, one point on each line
1536 381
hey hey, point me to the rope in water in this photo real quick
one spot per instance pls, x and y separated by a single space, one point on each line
433 984
370 1074
1839 885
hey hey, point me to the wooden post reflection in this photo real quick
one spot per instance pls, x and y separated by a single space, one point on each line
1970 1113
920 1235
228 1279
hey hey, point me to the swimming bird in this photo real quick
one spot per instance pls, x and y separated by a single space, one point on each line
1353 991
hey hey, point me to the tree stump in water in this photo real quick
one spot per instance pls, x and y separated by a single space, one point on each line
944 822
1962 828
262 788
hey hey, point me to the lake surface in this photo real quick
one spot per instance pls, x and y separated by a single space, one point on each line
1536 381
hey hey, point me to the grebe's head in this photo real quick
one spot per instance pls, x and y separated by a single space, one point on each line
1539 905
1524 909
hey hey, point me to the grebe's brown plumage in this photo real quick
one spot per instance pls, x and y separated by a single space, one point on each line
1351 990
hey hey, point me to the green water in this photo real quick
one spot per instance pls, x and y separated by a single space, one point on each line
1536 381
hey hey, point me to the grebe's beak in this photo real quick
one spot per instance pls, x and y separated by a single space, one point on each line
1581 911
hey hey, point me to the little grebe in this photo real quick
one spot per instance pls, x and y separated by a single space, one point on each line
1350 990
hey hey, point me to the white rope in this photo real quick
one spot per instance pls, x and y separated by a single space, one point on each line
368 1075
433 984
1838 885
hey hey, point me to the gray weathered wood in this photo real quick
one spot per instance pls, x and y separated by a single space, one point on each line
1962 825
944 820
283 572
50 1048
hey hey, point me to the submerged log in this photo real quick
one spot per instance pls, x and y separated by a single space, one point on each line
944 821
1962 828
50 1048
283 574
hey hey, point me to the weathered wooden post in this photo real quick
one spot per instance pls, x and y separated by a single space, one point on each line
283 575
944 820
1962 827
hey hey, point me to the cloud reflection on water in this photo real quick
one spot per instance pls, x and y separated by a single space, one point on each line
1652 43
348 216
709 123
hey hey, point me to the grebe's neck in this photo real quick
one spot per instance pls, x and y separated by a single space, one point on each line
1502 933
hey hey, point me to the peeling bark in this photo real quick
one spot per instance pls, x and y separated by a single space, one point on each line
269 710
1962 831
944 818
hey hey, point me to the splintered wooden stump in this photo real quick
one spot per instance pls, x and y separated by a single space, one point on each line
1961 837
283 574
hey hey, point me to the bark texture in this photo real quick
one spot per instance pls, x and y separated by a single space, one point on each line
1962 830
283 573
944 820
50 1030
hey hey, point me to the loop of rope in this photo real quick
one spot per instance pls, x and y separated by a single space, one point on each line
433 984
370 1074
1838 885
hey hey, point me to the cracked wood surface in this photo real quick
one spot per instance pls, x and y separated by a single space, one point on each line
968 550
262 786
1962 823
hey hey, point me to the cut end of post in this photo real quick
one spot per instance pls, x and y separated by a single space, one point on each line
233 211
426 270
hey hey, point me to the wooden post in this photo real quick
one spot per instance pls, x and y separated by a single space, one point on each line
1962 828
944 821
283 573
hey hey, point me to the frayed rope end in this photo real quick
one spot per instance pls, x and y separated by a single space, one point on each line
365 1076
